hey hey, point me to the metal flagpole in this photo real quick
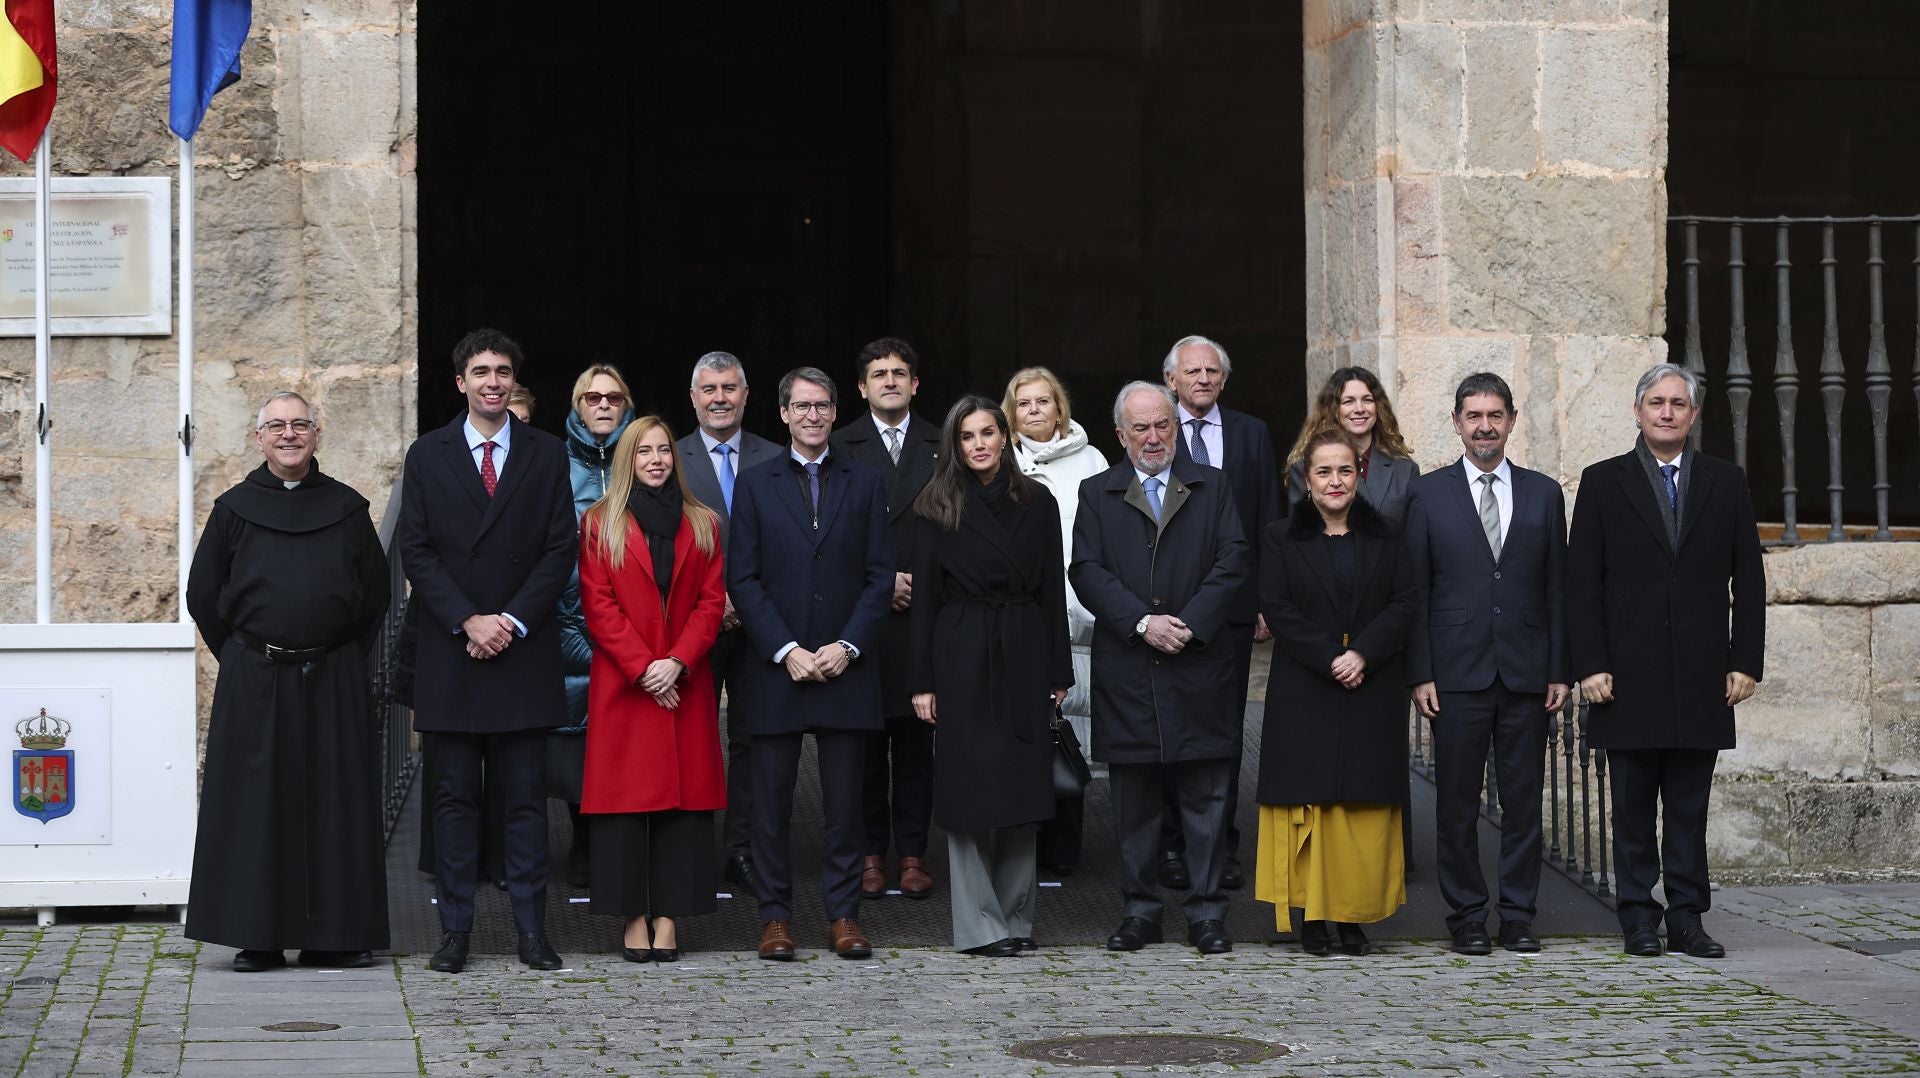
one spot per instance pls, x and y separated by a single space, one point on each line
186 370
42 347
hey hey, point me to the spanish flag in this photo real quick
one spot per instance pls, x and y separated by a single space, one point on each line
29 75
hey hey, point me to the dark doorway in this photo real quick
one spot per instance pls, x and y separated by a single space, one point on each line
1012 184
1803 110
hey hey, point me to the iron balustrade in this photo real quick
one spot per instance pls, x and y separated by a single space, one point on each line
1575 821
392 682
1875 382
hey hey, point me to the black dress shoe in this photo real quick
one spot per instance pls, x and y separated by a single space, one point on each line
1133 934
258 961
452 955
637 954
337 959
1353 939
1518 936
1173 872
739 870
1233 877
1026 943
1643 941
1005 948
1314 938
1695 942
1472 939
536 952
1209 937
666 954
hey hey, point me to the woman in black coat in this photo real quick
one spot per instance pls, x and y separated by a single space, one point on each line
1336 590
990 662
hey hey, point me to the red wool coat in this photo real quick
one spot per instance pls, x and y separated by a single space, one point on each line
642 757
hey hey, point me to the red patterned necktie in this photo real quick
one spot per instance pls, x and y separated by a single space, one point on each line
488 477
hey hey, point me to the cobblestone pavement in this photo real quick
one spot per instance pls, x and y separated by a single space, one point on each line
138 999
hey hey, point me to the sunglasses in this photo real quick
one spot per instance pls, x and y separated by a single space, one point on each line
593 399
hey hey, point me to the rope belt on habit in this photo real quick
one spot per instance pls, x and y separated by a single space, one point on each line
278 654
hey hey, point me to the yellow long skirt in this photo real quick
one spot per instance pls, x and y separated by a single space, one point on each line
1337 862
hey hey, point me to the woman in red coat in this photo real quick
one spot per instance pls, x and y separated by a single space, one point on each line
652 592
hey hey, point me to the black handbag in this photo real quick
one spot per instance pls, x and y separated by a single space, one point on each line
1070 771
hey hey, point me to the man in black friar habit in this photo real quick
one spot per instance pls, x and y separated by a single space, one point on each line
288 587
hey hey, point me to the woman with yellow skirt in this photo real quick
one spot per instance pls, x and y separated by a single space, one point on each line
1337 592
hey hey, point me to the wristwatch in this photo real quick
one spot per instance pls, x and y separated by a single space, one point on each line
1140 628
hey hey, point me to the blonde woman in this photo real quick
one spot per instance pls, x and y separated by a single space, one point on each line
653 593
1052 449
1353 402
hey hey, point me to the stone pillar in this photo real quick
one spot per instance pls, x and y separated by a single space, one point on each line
305 274
1485 191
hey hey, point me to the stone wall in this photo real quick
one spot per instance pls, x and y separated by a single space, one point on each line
1827 773
304 260
1484 190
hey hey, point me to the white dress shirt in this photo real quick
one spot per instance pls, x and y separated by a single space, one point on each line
1216 444
500 440
1502 490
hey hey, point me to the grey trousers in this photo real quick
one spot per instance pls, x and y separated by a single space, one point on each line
1201 786
993 883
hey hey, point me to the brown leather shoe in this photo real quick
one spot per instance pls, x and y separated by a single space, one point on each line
776 942
873 877
846 939
914 881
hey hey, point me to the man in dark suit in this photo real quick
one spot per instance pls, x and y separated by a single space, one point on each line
712 458
1196 369
1487 655
810 573
487 538
1159 560
898 780
1669 629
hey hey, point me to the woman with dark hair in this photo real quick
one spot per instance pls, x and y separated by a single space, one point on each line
653 593
1353 402
990 663
1337 591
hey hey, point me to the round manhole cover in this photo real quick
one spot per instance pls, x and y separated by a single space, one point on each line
300 1027
1147 1049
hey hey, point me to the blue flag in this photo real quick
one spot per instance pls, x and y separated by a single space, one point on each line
207 35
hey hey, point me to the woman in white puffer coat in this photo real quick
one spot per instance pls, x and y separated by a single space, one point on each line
1053 450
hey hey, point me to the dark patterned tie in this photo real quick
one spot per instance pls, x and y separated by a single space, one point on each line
813 489
488 477
1200 454
1667 472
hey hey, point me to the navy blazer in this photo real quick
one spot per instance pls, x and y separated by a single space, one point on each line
792 579
1475 618
1254 478
467 554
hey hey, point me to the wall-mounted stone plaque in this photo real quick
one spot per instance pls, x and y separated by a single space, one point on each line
112 256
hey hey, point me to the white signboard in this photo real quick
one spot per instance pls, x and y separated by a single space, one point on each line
112 256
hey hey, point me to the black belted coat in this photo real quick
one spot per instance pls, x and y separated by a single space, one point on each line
989 636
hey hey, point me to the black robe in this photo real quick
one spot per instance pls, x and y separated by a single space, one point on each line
289 850
989 634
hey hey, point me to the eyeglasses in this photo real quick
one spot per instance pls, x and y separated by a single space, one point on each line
277 427
810 407
593 399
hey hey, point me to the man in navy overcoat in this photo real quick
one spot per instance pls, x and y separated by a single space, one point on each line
487 538
810 573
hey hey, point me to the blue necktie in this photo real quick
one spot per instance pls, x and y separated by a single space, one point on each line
1667 472
813 488
726 473
1200 454
1153 495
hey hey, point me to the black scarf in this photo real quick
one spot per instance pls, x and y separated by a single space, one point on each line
994 492
658 511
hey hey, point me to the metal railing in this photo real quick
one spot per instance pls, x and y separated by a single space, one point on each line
1876 376
1574 817
392 670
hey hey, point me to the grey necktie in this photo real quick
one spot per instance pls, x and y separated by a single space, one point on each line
1200 454
892 435
1490 513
